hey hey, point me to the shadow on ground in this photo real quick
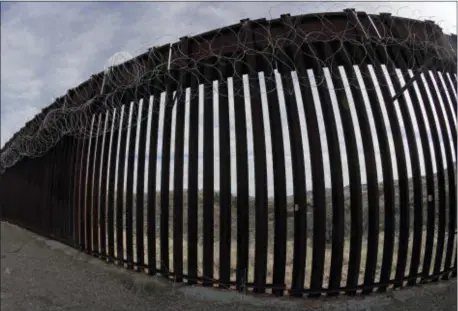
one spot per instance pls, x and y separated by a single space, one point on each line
40 274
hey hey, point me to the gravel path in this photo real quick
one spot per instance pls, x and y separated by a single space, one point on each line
39 274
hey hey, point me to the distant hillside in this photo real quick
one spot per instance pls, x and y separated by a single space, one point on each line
310 207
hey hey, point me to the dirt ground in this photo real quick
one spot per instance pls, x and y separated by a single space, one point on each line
40 274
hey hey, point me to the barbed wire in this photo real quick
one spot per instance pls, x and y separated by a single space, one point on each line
235 55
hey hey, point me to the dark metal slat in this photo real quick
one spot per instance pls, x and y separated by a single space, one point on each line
68 190
60 189
112 183
208 178
165 177
76 183
155 87
152 172
193 186
130 183
70 187
120 195
63 176
89 184
260 173
103 185
53 193
81 193
57 218
242 179
225 203
140 197
95 185
178 171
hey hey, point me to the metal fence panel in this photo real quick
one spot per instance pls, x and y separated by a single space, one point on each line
87 190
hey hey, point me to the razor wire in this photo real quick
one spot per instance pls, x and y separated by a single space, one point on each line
122 84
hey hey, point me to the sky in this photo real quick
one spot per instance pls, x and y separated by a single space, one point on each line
48 48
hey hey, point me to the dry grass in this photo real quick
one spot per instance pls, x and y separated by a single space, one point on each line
290 237
289 259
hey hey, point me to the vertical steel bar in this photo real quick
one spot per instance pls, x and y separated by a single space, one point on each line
88 183
58 211
111 196
225 204
130 181
52 192
120 195
54 212
76 183
64 177
259 149
140 200
39 182
208 177
242 178
165 175
155 88
82 192
193 186
103 183
178 169
68 189
95 185
48 191
69 202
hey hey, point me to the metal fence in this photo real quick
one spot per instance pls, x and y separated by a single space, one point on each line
93 170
